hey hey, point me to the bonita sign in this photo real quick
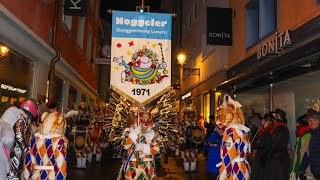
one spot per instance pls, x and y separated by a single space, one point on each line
275 45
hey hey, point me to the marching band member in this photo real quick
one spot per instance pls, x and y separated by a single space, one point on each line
142 144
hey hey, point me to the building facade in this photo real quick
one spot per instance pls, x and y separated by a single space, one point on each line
27 29
274 60
197 88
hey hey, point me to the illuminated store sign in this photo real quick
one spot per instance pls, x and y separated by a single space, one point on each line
186 95
10 88
275 46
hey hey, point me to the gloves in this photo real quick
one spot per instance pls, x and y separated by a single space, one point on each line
302 176
137 130
145 148
134 134
139 147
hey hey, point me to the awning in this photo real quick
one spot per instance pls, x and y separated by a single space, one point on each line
301 57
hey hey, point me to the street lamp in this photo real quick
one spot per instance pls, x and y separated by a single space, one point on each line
181 57
3 50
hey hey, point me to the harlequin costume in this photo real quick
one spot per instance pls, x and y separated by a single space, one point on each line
142 144
46 157
235 146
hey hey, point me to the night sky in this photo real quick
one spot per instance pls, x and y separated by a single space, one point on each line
126 5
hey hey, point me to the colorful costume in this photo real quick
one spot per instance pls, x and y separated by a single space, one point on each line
142 144
235 146
22 134
47 153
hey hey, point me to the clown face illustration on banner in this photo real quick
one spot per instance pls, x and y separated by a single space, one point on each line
141 55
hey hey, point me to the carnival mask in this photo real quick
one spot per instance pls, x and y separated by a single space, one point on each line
229 112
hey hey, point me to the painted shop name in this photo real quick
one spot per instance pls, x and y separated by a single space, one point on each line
10 88
275 45
140 22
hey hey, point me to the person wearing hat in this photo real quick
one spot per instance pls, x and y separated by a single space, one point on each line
261 145
311 157
302 141
278 156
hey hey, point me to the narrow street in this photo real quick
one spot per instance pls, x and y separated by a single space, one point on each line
109 169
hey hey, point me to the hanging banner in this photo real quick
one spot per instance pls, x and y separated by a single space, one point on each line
141 55
219 26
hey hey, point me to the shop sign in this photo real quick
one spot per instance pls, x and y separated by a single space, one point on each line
10 88
186 95
275 45
102 61
75 7
219 26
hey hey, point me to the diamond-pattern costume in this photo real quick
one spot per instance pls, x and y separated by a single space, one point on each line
141 168
235 148
46 158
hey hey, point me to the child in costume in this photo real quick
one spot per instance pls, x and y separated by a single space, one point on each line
235 146
46 157
142 144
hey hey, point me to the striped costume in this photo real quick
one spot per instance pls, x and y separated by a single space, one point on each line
145 169
234 152
46 158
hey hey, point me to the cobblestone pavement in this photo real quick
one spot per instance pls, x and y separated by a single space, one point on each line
109 169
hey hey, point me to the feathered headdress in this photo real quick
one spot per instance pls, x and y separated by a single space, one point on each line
229 112
55 123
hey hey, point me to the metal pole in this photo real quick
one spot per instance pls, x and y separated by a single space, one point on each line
271 97
180 82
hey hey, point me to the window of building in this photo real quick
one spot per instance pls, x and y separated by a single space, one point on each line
83 98
261 19
89 44
206 106
80 31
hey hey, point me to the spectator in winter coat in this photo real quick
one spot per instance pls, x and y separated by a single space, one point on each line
302 142
7 137
312 158
278 157
213 147
261 146
210 126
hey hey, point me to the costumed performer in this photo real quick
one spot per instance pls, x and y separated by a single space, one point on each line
235 146
142 144
46 157
7 137
22 133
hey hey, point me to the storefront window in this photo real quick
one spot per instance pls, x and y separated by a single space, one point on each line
15 79
206 106
73 93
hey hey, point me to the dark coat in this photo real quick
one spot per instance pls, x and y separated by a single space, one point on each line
313 158
278 158
262 145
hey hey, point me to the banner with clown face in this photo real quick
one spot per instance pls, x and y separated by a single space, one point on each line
141 55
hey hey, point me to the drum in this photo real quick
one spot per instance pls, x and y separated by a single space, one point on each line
198 135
